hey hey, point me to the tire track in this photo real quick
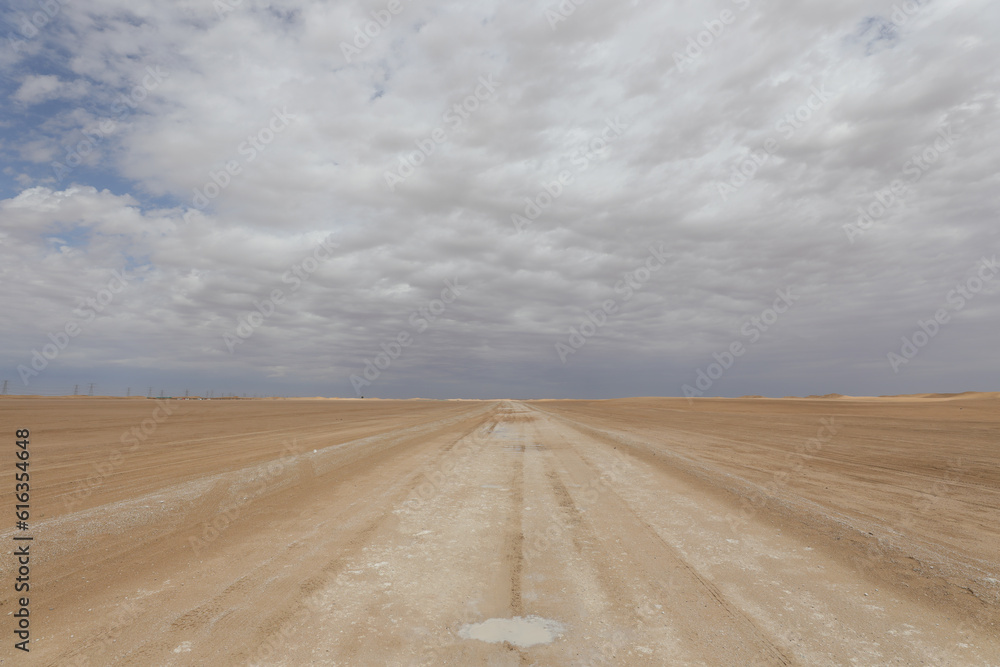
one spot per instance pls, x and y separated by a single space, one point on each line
224 607
355 546
741 632
515 538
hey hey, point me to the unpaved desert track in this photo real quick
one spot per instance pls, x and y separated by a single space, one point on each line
647 532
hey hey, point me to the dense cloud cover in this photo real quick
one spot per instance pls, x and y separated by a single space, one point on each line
523 199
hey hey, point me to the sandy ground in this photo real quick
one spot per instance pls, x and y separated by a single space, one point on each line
833 531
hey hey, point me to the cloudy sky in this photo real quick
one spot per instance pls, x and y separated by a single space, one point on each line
489 199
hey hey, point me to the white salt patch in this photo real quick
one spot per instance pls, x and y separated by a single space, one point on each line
520 631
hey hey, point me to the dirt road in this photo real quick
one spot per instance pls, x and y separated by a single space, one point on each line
639 532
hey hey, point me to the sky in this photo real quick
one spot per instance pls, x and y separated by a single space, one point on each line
525 199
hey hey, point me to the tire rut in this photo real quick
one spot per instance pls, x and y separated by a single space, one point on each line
682 576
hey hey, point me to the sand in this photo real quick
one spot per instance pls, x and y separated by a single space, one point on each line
806 531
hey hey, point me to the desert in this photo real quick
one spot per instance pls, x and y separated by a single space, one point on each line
550 333
643 531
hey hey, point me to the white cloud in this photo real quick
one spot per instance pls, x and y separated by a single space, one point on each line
45 87
657 183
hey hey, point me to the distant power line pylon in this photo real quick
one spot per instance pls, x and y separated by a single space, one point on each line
128 393
4 392
91 388
76 389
